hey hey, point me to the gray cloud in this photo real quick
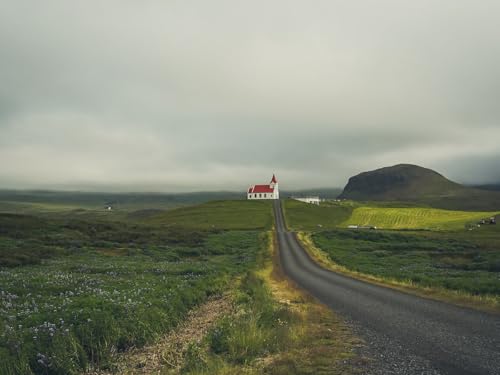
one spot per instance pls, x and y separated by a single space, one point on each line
162 95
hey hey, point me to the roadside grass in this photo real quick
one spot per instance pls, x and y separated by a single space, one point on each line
310 217
433 265
275 329
413 218
229 215
101 288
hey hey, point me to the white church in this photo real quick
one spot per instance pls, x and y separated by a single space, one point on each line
269 191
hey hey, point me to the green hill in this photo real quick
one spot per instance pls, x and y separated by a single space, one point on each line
411 183
236 214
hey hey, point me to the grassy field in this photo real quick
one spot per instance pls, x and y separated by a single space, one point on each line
274 329
425 247
429 259
304 216
121 201
72 293
78 289
386 215
414 218
219 215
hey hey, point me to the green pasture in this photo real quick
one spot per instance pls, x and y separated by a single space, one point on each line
330 215
310 217
72 292
414 218
430 259
237 214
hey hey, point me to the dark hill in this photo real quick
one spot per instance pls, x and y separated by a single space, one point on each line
411 183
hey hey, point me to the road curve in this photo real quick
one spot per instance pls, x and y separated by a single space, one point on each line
436 337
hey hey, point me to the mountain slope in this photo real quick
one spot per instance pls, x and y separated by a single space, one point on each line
411 183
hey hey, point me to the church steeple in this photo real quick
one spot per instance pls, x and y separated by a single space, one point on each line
274 185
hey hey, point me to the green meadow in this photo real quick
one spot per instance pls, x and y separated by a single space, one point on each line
81 288
387 215
73 293
78 287
428 259
423 246
308 217
237 214
414 218
79 284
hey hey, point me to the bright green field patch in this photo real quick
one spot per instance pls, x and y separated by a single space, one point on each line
237 214
414 218
305 216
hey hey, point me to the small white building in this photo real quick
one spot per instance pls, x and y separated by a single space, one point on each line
270 191
311 200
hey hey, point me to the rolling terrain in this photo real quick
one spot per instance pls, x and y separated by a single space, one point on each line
191 290
238 214
129 278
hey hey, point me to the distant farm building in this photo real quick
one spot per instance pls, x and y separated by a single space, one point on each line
361 227
269 191
311 200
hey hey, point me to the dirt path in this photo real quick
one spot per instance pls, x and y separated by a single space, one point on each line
167 354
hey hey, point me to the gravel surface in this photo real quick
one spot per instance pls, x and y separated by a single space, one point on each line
405 334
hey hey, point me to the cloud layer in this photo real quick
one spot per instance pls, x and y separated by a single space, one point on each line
171 95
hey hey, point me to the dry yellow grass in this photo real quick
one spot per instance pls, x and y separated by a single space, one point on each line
166 356
324 344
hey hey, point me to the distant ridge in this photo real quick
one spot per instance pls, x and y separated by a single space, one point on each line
490 187
412 183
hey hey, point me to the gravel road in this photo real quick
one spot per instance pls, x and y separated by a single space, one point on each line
405 334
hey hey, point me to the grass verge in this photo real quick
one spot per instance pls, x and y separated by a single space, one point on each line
488 303
274 329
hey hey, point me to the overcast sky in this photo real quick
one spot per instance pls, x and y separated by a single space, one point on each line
203 95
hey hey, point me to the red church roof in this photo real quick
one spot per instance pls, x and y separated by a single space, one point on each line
274 180
261 189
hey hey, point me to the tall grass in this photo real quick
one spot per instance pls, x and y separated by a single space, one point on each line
426 259
274 329
109 290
